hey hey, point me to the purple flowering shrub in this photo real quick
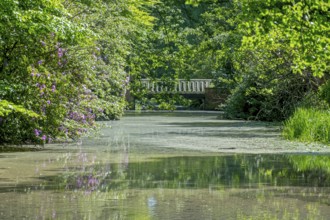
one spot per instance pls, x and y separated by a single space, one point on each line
52 68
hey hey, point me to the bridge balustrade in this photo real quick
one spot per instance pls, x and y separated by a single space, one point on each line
193 86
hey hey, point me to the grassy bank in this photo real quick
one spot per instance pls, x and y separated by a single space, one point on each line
308 125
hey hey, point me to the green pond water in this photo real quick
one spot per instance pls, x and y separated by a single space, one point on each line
169 166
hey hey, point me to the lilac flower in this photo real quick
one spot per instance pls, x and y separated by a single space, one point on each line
37 132
43 43
60 52
38 75
92 181
40 62
53 88
48 102
44 137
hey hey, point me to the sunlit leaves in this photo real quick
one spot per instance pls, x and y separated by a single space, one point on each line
302 26
7 108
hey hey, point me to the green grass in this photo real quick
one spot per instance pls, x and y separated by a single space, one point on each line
308 125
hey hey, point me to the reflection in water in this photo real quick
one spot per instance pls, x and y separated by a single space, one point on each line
213 172
181 187
141 170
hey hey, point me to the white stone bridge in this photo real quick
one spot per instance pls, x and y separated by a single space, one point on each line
197 89
181 86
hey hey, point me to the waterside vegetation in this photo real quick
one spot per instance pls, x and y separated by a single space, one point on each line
65 64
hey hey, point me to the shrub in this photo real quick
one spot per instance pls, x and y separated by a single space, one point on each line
269 99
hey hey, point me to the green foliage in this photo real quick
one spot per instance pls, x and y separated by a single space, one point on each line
71 62
268 91
269 55
65 62
308 125
302 27
7 108
9 112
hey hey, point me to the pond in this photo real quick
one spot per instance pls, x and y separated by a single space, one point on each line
180 165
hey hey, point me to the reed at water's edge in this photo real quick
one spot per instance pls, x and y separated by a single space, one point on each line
308 125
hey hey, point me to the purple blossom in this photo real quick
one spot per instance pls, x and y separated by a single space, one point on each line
44 137
53 88
38 75
60 52
92 181
40 62
37 132
48 102
43 43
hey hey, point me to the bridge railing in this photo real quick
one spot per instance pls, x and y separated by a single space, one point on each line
193 86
